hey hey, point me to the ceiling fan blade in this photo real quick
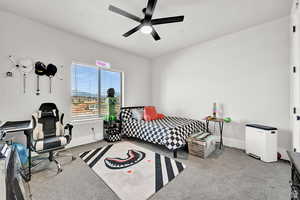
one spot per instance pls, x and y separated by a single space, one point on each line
150 10
133 30
155 35
167 20
124 13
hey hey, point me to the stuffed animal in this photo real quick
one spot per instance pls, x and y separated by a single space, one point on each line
111 102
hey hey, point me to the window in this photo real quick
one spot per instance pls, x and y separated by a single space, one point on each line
89 90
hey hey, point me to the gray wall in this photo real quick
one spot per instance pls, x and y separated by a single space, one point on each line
247 73
24 38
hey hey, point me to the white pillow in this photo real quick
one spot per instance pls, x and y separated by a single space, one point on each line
138 114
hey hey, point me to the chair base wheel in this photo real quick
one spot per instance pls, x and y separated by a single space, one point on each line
73 158
59 171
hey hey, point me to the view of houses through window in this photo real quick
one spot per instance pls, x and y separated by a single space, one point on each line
89 90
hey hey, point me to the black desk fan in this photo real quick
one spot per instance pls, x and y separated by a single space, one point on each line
40 70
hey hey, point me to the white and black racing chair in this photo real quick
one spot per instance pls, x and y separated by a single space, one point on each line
49 134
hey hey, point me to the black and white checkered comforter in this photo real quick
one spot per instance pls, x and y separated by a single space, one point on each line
171 132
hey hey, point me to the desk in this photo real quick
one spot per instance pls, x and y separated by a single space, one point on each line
221 125
20 126
12 184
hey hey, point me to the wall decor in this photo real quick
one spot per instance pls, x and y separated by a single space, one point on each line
51 71
23 65
40 70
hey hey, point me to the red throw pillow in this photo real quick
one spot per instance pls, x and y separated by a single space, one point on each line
160 116
150 113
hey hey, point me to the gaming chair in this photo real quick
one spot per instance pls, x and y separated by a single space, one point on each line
49 133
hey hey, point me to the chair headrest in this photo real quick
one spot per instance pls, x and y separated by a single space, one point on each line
48 107
43 114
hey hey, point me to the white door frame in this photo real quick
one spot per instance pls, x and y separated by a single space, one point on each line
295 76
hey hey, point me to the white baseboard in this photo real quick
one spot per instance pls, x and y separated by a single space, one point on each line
83 140
240 144
235 143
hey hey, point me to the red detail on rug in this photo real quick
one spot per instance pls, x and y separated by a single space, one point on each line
129 171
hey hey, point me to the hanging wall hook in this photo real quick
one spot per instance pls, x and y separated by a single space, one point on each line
13 61
10 73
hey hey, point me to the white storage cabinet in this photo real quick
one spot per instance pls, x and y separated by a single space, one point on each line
261 142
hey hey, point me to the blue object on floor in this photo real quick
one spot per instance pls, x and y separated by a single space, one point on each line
23 153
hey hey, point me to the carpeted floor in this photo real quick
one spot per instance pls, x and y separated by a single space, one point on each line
227 175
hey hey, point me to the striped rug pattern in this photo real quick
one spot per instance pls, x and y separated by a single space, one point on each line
148 175
166 170
93 156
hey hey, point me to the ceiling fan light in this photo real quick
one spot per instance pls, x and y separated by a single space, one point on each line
146 29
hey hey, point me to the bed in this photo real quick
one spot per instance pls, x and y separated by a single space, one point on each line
170 132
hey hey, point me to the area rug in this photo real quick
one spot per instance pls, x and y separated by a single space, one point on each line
132 172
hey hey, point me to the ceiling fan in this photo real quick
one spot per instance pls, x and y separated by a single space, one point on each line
146 23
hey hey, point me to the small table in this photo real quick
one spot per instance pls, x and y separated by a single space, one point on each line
112 131
221 125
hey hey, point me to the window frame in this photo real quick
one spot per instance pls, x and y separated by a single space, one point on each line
97 116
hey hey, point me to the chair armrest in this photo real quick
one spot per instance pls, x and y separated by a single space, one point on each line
69 127
2 134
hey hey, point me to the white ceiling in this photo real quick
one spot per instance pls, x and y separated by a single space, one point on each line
204 20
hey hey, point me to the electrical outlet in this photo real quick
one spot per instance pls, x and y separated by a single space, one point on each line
94 134
9 74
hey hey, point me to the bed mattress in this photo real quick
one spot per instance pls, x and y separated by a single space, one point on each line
171 132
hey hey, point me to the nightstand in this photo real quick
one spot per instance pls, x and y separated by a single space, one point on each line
112 131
